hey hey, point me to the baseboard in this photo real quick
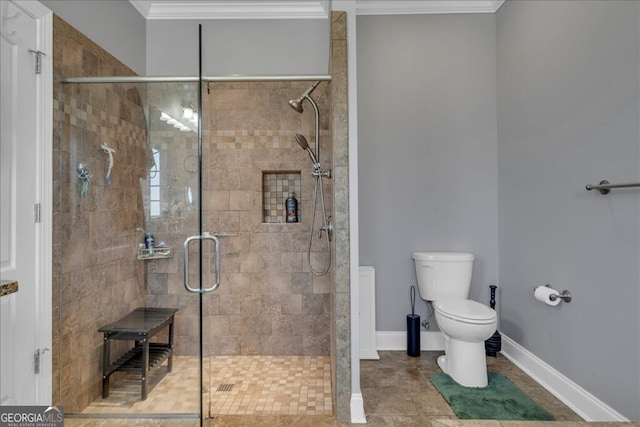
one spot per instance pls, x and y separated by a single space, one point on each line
357 409
571 394
397 340
368 354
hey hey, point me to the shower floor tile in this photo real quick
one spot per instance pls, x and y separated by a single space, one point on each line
173 392
263 385
237 385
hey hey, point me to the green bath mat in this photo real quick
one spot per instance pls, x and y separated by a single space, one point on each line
500 400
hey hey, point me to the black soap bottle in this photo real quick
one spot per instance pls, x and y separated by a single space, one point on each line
292 208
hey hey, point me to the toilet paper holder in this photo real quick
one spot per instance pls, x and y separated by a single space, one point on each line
564 295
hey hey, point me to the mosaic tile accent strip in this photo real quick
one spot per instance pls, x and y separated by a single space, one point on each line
276 187
251 139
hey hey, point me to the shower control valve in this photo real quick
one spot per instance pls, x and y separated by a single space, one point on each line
326 174
328 228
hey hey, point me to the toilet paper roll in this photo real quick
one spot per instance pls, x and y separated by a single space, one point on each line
543 293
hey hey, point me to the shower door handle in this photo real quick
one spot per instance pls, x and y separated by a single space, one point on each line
215 285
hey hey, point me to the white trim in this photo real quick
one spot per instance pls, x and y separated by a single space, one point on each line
397 340
369 354
237 9
302 9
44 152
356 404
143 7
407 7
367 313
571 394
357 409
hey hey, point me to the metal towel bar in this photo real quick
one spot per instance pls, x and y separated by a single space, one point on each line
605 186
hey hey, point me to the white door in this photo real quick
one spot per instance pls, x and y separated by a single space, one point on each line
24 241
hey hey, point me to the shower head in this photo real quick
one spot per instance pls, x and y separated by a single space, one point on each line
302 142
296 104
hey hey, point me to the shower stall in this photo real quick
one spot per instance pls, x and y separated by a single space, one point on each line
170 194
318 173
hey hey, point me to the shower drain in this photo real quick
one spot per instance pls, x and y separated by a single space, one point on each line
225 387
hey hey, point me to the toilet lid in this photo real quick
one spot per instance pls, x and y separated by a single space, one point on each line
466 310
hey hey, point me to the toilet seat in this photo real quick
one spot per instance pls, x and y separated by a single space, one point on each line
467 311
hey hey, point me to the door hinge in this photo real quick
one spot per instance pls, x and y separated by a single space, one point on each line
36 359
36 213
39 55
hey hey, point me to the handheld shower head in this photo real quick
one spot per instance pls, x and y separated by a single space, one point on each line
296 104
302 142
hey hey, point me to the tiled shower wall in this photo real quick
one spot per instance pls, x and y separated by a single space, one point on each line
268 301
96 276
273 304
341 339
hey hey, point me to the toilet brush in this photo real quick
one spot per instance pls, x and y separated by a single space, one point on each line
494 344
413 327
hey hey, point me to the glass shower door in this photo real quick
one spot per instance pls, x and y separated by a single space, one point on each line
176 220
128 183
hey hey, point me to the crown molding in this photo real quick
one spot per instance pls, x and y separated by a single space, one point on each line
408 7
232 9
301 9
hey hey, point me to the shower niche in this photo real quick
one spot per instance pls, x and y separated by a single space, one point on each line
276 186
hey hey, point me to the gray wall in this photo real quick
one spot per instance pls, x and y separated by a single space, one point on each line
427 150
115 25
170 47
246 47
568 115
563 79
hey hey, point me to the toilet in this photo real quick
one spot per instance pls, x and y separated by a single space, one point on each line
444 278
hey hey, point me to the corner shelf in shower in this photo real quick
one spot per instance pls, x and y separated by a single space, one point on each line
156 253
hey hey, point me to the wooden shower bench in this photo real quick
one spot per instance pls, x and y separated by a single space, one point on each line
140 325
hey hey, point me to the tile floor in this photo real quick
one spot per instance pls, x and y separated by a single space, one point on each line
397 393
174 392
280 385
238 385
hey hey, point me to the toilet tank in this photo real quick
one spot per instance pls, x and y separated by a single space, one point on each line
443 275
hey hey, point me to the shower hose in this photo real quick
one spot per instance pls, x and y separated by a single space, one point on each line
326 226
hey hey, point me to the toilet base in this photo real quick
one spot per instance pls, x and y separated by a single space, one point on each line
465 362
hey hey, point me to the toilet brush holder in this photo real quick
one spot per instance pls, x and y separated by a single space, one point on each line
494 344
413 328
